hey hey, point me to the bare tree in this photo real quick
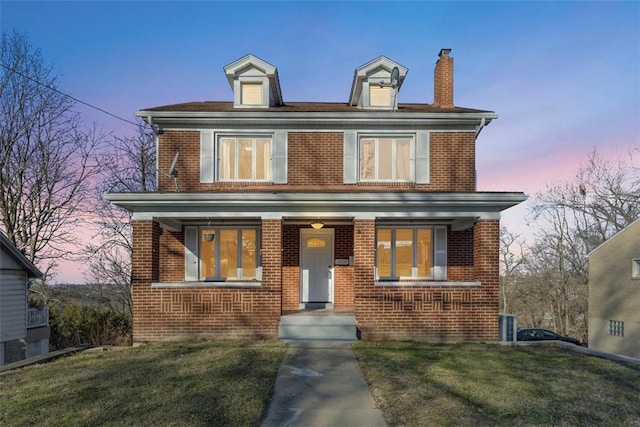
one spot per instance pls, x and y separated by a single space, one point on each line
129 166
511 259
572 219
47 161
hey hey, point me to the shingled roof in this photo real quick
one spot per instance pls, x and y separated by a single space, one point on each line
304 107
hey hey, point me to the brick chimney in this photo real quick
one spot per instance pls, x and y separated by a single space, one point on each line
443 80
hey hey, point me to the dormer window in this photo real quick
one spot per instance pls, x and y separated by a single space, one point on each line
371 87
251 93
254 82
380 96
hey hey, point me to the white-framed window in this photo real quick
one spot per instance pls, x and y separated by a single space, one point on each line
237 157
635 268
372 158
379 96
251 93
244 158
411 252
386 158
219 253
616 327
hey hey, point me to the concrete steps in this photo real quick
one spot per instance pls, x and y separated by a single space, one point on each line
308 327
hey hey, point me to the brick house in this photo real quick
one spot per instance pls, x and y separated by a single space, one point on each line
368 207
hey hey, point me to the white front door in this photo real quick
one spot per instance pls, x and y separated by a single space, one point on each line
316 265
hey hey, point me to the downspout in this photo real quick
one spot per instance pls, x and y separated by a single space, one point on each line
156 131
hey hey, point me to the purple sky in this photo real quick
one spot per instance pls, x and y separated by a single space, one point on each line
564 77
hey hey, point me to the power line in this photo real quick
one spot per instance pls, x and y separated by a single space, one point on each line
68 96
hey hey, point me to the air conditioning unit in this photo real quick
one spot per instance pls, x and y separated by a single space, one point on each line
508 327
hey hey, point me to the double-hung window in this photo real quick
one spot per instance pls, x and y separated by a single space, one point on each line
238 157
244 158
407 252
386 158
379 158
222 253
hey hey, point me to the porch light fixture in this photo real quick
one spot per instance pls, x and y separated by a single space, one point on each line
209 235
317 225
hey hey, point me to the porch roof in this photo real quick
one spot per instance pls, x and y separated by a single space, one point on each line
459 209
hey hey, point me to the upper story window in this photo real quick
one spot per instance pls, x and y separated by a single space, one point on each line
255 83
244 158
231 157
380 96
251 93
386 159
370 89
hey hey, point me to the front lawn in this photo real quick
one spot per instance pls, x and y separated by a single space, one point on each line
179 384
417 384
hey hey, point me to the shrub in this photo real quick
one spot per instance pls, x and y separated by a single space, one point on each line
76 324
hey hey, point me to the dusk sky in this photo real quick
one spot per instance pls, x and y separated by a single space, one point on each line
564 77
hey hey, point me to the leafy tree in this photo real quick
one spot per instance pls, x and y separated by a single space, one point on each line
47 160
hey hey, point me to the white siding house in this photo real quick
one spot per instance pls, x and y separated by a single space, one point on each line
15 272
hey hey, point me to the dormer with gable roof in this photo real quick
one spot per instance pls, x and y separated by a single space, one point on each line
254 82
371 85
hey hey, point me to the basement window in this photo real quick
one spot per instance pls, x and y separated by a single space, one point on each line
635 269
616 328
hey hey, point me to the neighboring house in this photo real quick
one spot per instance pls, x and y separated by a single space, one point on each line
24 332
614 293
367 207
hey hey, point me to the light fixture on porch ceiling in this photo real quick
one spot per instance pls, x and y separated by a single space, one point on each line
209 235
317 225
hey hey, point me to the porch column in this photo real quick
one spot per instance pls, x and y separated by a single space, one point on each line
486 255
145 263
272 261
366 299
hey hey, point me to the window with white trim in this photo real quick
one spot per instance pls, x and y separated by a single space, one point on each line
371 158
222 253
244 158
616 327
386 158
635 268
379 96
410 252
251 93
232 157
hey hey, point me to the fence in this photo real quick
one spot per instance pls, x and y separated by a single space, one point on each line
37 317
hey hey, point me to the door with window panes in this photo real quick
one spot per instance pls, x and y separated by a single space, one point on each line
316 265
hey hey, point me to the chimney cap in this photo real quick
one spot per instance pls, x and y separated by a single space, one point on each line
444 53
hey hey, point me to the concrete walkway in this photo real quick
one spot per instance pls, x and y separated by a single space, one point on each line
321 384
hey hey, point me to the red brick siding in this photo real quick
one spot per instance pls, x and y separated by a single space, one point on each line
315 163
436 313
452 161
314 159
172 256
167 313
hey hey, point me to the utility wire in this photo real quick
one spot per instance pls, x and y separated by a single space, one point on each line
68 96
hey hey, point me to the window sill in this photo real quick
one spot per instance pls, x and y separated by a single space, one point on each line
206 284
391 283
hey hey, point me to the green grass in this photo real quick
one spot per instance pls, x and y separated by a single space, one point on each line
417 384
171 384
